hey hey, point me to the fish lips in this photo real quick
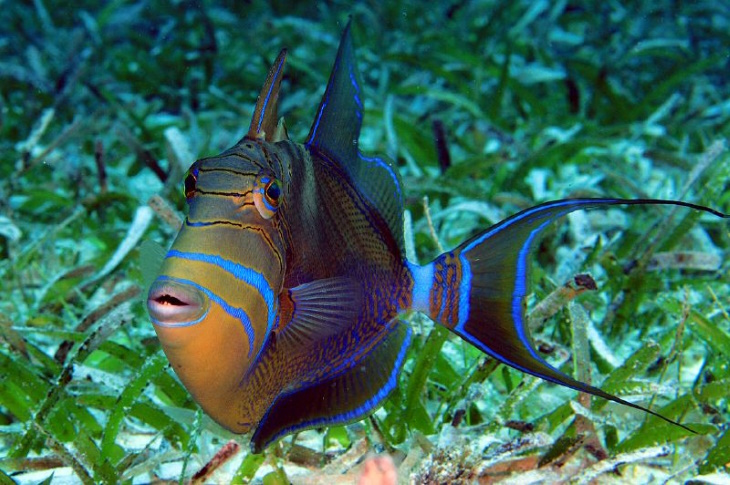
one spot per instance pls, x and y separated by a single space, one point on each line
174 304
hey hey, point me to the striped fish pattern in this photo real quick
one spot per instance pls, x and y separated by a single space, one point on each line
278 304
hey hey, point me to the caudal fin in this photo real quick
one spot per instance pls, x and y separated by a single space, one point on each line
478 289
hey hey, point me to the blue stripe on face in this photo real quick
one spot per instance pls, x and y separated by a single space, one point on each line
237 313
359 411
242 273
176 324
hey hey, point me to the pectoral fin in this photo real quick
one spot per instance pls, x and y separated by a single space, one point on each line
320 309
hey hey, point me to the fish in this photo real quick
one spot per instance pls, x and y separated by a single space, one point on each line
280 302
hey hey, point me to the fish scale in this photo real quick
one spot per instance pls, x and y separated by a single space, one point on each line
278 304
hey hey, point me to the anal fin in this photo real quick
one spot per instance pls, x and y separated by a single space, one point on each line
344 397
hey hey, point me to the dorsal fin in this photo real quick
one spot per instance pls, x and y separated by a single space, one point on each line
264 122
336 131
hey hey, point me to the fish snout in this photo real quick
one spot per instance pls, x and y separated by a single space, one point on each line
175 304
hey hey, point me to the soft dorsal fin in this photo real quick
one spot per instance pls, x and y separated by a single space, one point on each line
264 122
335 134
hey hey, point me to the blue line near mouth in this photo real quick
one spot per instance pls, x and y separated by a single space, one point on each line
182 324
237 313
240 272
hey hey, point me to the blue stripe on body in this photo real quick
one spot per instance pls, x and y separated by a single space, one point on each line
389 385
464 291
242 273
235 312
422 283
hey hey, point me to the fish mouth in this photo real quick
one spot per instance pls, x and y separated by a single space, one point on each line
175 304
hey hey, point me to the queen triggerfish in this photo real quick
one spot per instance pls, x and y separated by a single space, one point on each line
278 303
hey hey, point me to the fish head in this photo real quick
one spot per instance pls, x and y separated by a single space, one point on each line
215 301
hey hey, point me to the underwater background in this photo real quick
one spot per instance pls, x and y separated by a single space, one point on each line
488 108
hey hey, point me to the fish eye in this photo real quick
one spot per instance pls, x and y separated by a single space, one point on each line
272 191
267 195
191 179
